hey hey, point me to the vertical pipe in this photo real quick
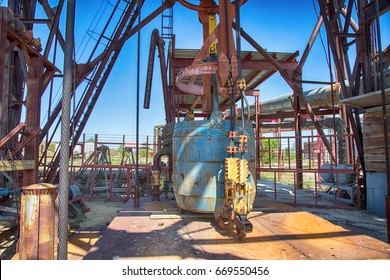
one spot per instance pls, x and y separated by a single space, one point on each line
147 150
298 141
128 183
256 94
83 151
149 72
111 183
279 135
315 187
136 188
238 54
37 226
295 187
289 153
65 133
274 185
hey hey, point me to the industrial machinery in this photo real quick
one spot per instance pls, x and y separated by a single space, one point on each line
211 145
214 156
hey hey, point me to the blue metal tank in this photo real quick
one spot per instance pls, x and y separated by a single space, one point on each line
199 151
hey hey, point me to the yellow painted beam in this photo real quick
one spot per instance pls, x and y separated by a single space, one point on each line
13 165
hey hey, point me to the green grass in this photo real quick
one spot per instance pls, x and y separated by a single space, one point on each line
288 178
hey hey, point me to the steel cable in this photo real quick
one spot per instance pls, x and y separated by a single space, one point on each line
65 135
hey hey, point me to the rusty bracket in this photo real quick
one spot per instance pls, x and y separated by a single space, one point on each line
232 150
243 141
232 134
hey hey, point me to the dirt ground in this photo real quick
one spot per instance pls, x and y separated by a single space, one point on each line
88 227
99 216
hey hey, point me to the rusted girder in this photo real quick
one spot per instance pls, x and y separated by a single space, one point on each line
342 76
12 134
157 41
297 90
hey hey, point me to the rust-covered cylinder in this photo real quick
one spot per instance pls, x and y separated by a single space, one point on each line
37 222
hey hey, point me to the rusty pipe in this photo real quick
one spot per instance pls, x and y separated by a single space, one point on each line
37 222
149 73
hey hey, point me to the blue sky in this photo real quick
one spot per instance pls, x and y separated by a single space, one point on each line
285 27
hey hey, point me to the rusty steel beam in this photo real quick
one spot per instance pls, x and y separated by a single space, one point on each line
101 75
102 61
247 64
370 10
27 138
53 25
297 90
341 77
164 80
14 132
158 42
166 5
309 44
28 50
3 93
264 78
33 111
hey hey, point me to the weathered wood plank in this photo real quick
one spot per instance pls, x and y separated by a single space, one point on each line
13 165
379 167
375 151
373 139
373 143
374 158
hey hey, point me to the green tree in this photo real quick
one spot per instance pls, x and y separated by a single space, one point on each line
270 150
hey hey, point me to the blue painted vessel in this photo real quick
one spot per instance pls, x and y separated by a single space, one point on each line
199 151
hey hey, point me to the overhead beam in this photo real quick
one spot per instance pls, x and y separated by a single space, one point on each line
297 90
246 64
370 9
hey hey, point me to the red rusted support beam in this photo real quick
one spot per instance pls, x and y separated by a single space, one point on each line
96 86
3 93
310 44
292 83
325 12
246 64
157 41
298 140
257 131
53 26
33 112
27 138
164 80
12 134
54 30
28 50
